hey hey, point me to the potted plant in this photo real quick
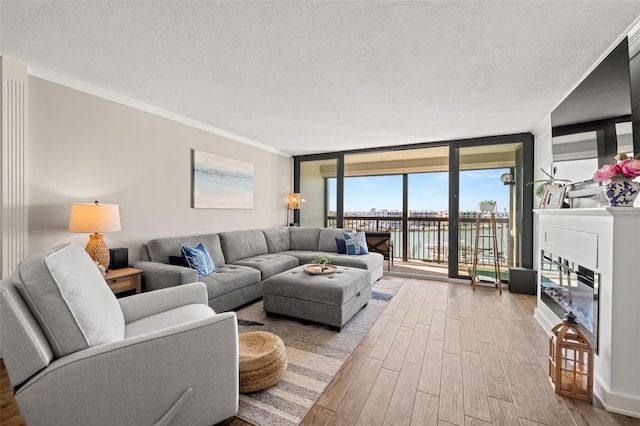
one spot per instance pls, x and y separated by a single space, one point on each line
550 180
322 260
487 205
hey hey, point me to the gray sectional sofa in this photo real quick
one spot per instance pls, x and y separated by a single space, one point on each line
244 259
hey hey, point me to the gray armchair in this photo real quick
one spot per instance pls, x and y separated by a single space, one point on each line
76 355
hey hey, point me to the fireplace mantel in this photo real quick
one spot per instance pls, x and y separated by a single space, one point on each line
605 240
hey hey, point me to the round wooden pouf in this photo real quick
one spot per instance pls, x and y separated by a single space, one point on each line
262 362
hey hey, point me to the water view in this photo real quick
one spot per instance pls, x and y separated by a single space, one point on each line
428 238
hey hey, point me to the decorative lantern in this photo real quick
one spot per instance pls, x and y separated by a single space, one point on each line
571 360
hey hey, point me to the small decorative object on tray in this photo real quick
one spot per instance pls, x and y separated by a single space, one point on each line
320 269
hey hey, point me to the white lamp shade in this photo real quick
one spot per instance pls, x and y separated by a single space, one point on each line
94 218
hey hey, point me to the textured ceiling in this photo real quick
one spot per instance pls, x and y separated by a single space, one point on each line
307 77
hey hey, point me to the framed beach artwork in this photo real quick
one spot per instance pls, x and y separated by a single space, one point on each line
220 183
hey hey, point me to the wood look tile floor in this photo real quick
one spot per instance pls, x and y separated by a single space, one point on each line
441 354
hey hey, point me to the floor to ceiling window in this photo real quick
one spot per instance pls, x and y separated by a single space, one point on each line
378 197
427 227
426 196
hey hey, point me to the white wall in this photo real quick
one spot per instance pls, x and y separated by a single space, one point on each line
543 157
83 148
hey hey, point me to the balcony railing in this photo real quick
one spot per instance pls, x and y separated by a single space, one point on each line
428 237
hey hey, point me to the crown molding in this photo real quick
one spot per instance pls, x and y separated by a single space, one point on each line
634 36
133 103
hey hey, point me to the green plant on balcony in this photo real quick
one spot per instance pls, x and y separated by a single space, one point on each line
487 205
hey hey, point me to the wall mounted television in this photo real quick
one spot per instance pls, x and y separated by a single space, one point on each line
596 120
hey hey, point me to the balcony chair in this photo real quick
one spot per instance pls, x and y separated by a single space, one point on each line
380 242
76 355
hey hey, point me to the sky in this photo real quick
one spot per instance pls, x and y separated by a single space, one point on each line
427 191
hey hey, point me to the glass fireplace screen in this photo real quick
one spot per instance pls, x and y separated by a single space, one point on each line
567 286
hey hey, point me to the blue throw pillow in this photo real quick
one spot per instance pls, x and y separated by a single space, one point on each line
341 246
356 242
198 258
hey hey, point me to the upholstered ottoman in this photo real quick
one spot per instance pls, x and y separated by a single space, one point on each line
262 360
328 299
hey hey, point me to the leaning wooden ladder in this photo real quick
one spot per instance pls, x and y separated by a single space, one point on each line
494 249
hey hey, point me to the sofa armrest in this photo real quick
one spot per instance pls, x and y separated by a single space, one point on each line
145 304
158 275
138 380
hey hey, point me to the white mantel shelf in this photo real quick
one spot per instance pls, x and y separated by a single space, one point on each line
600 211
606 241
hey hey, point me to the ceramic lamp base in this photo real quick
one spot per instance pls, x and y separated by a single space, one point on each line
98 250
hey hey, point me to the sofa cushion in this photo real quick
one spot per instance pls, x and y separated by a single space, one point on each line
304 238
238 245
327 239
270 264
198 258
366 261
356 243
303 256
229 278
277 239
161 248
70 299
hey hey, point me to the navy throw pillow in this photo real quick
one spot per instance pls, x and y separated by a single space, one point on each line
178 261
341 246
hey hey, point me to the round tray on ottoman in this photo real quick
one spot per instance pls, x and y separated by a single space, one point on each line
262 360
316 269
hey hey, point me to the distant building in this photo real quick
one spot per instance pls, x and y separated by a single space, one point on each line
397 214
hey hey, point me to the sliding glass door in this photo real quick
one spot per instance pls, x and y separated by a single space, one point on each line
496 173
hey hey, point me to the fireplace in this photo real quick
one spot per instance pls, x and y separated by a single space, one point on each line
576 245
567 286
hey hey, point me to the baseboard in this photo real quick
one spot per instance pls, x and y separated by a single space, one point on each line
621 404
427 277
545 317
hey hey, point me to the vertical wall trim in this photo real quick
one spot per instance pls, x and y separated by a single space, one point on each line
13 173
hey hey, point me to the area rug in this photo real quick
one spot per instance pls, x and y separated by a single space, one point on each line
314 353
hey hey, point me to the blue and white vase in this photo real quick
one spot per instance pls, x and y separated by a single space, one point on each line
622 192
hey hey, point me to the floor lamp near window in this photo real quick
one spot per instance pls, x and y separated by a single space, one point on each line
95 218
293 204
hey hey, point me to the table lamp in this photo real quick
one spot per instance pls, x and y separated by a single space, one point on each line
95 218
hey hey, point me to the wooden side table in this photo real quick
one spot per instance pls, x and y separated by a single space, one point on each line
124 279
